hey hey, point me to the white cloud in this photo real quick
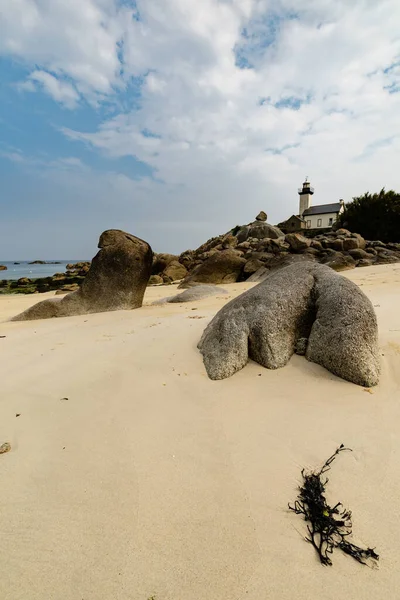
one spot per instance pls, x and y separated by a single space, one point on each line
225 141
61 91
69 163
76 38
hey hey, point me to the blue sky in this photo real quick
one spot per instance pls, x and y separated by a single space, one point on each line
176 120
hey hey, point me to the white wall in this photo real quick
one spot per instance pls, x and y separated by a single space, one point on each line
316 221
304 203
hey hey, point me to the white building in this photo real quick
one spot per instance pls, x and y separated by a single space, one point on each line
321 215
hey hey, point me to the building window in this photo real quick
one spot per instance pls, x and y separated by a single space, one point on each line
330 222
319 223
308 224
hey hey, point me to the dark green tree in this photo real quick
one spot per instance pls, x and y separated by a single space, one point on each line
374 216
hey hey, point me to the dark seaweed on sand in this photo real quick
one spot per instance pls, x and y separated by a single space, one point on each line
328 527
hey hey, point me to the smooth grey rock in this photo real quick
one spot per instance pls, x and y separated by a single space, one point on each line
197 292
302 302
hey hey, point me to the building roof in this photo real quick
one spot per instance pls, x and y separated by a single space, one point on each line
322 209
294 217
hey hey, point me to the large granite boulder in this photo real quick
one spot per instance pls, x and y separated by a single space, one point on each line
252 265
306 306
117 279
358 254
175 271
297 242
356 241
224 266
338 261
258 230
336 245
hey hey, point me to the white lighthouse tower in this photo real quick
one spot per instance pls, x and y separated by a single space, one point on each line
305 194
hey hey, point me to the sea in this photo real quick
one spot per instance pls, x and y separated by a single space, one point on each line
24 269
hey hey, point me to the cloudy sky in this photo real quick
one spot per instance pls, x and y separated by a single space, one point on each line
178 119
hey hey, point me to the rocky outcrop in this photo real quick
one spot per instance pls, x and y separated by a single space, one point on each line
258 230
76 267
253 247
3 268
222 267
117 279
262 250
305 307
168 267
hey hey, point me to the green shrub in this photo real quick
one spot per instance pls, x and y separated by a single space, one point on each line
374 216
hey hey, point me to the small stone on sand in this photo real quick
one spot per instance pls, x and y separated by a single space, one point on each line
6 447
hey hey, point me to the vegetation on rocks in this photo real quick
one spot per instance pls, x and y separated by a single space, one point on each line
374 216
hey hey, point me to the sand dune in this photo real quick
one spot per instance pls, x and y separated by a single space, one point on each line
132 475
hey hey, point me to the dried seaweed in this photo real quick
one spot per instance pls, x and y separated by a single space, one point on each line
328 527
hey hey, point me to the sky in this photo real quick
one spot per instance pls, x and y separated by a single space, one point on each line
176 120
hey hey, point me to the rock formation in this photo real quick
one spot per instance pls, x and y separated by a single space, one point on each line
175 271
259 230
305 307
197 292
262 216
116 280
297 242
255 246
220 267
3 268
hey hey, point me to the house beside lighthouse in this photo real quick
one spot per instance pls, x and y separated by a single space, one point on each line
320 216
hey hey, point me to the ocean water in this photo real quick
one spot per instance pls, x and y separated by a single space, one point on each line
33 271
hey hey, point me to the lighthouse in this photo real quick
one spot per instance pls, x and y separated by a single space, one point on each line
305 194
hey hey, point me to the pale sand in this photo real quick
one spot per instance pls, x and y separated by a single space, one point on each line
152 480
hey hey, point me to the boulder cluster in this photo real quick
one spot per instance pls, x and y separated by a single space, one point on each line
251 251
247 252
304 308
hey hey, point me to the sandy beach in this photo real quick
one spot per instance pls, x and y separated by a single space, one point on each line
133 476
